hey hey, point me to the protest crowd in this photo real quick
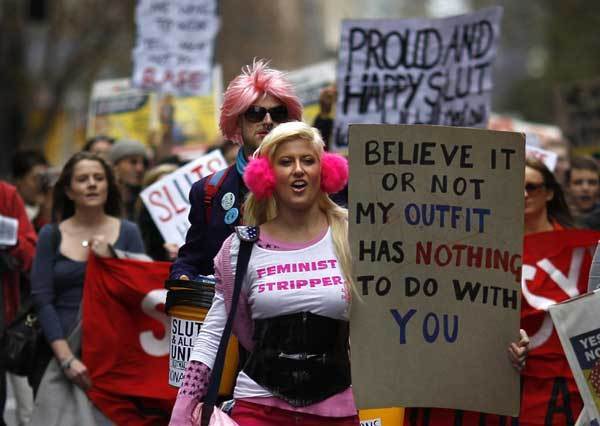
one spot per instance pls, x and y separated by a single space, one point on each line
92 256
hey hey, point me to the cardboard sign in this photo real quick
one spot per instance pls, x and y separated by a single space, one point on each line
578 327
120 111
416 71
167 199
174 47
579 115
436 232
308 82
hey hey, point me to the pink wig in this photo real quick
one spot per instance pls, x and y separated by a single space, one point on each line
254 82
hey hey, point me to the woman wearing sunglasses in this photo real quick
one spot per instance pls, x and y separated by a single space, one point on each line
546 211
293 312
545 205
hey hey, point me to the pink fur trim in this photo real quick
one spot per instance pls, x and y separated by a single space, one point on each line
259 177
334 172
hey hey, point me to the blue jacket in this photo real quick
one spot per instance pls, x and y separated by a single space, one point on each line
203 240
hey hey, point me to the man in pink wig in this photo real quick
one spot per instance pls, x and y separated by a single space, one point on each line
256 101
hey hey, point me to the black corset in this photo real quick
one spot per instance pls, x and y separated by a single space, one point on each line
301 358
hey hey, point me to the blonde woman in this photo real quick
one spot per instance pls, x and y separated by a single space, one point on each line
294 305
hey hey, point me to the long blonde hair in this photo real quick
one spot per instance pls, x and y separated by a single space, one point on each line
257 212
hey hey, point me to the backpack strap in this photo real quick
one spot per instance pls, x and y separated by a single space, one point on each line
211 187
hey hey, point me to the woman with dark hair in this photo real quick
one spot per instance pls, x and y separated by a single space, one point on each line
548 389
545 205
84 217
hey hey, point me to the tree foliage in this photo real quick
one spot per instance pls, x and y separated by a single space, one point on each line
45 57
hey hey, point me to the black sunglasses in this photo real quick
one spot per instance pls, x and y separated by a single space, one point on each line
532 187
256 114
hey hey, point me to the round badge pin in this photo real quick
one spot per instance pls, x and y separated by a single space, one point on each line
228 201
231 216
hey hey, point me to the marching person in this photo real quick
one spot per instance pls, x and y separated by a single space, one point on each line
86 213
545 205
130 161
324 119
547 370
289 178
99 145
30 173
17 246
256 101
32 179
583 187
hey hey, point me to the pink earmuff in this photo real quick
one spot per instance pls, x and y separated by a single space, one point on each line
260 179
334 172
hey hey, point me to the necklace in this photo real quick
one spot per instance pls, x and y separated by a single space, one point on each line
86 242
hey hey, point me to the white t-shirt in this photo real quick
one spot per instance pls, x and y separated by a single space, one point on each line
278 283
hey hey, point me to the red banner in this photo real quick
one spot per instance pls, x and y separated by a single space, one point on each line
125 340
556 267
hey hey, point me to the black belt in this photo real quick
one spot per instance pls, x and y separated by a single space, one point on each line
301 358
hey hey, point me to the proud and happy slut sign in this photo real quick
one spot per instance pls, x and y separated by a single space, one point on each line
436 232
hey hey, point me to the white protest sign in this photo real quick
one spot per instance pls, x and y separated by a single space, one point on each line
175 44
167 200
416 71
549 158
594 276
578 327
8 231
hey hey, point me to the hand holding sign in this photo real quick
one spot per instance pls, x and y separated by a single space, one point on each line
517 351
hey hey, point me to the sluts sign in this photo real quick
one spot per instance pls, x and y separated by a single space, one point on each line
436 230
